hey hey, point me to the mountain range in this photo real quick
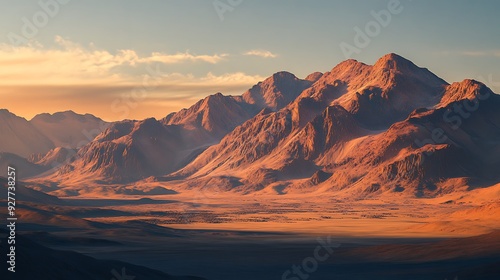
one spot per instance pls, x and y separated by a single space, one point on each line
45 132
392 128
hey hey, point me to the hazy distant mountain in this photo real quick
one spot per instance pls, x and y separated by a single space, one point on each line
20 137
25 168
45 132
68 129
46 141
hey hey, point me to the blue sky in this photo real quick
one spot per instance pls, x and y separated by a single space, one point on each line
97 51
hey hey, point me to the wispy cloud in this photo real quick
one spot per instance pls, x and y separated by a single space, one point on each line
261 53
182 57
90 79
72 63
131 57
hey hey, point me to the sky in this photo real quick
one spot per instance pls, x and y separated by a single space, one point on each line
125 59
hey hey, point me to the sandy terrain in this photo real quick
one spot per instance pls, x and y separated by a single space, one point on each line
308 214
218 235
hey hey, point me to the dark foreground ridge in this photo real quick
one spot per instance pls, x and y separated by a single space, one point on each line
34 261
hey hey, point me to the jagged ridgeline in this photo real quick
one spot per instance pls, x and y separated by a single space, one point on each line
391 128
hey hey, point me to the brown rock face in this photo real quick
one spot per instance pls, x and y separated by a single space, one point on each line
391 128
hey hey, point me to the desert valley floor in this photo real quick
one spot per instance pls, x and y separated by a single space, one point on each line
308 214
260 236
